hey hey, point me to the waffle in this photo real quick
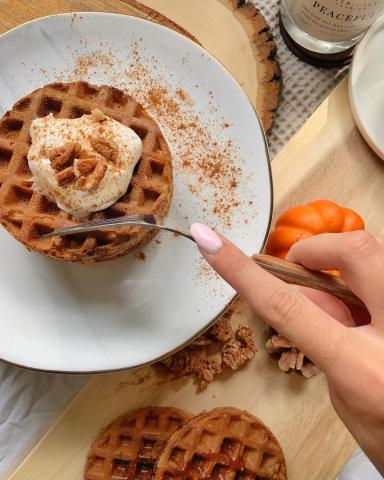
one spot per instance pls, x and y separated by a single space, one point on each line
130 447
224 444
27 215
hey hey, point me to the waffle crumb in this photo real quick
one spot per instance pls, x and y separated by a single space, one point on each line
221 347
238 351
290 359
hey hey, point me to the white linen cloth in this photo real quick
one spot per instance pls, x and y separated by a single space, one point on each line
359 468
30 401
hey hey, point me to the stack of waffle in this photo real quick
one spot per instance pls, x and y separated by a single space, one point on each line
27 215
165 443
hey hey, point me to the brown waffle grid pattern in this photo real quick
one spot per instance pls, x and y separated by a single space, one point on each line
130 447
27 215
224 444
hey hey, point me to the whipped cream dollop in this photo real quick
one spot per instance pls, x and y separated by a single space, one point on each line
83 164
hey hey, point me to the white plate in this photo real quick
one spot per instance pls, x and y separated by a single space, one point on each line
58 316
366 87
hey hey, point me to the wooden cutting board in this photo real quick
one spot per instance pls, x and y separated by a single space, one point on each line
326 158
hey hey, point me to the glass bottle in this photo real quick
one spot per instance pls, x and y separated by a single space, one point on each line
324 32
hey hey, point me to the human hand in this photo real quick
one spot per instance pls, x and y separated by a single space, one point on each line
347 344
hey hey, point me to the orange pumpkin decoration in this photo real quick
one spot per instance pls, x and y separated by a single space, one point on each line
297 223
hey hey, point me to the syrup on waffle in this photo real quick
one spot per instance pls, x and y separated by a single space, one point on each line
27 215
130 447
223 444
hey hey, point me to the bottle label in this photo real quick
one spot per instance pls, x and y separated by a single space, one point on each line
335 20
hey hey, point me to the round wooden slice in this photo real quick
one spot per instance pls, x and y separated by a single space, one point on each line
235 32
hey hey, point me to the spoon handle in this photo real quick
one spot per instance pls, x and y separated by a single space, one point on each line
299 275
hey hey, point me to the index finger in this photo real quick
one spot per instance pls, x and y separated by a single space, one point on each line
282 306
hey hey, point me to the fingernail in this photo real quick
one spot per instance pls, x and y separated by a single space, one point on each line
206 238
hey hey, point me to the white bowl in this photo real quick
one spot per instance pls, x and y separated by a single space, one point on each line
64 317
366 87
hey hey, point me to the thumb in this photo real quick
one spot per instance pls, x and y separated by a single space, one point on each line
282 306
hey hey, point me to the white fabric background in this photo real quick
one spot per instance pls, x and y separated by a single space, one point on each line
359 468
30 402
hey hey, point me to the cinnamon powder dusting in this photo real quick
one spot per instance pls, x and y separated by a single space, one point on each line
207 165
92 61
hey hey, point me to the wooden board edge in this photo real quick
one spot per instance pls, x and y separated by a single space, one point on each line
264 50
262 44
158 17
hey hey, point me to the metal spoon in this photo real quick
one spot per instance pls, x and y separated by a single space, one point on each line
146 221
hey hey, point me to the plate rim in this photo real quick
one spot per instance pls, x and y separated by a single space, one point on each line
352 90
270 179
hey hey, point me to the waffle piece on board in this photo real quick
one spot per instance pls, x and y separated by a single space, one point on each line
223 444
130 447
27 215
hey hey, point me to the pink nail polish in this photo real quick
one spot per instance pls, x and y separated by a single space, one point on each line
206 238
